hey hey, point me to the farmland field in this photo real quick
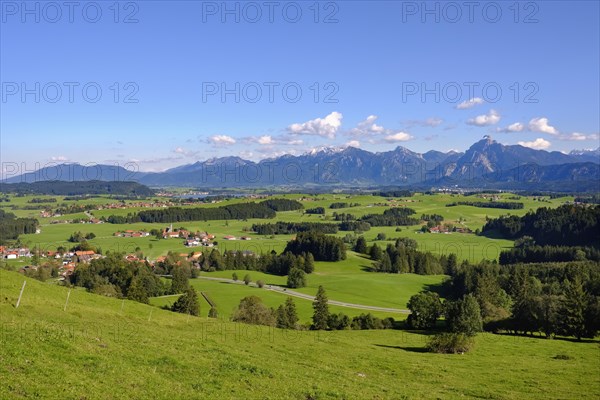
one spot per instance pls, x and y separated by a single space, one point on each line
347 281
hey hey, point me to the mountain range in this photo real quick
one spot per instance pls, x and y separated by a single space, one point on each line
486 164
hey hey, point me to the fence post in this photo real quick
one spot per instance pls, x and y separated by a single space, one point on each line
67 302
21 294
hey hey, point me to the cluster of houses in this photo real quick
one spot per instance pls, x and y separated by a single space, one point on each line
190 239
132 234
447 229
230 237
14 253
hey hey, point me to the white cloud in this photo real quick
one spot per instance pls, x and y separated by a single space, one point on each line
266 139
491 118
59 158
186 153
353 143
516 127
246 154
326 127
432 122
367 127
221 140
398 137
576 136
541 125
537 144
470 103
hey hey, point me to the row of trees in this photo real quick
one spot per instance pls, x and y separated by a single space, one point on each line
231 211
321 246
272 263
392 217
507 205
115 277
252 310
11 227
535 254
288 228
567 225
551 298
403 257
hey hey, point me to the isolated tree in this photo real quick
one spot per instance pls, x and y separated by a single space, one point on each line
287 316
137 291
309 263
573 309
234 276
213 313
425 309
296 278
464 316
381 236
187 303
247 279
321 310
260 283
361 245
375 252
251 310
179 280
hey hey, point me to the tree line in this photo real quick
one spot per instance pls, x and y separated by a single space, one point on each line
288 228
11 227
567 225
508 205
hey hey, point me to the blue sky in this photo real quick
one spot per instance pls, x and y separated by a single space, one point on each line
179 80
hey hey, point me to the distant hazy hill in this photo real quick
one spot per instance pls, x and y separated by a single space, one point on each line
63 188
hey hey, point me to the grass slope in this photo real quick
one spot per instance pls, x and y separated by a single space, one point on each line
98 350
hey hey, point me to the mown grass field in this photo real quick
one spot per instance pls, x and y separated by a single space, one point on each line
102 348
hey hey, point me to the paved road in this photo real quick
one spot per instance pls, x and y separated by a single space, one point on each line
309 297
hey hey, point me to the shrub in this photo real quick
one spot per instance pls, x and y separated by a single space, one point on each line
234 276
450 343
252 311
296 278
247 279
213 313
260 284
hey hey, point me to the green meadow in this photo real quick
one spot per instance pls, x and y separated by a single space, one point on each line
346 281
103 348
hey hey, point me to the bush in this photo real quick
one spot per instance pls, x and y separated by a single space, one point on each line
381 236
213 313
247 279
260 284
296 278
252 311
234 276
450 343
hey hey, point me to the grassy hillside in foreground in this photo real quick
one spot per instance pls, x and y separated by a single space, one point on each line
98 350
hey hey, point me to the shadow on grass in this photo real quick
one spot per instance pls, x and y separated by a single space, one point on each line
412 349
543 337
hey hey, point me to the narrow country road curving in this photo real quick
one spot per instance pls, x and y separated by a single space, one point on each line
288 292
